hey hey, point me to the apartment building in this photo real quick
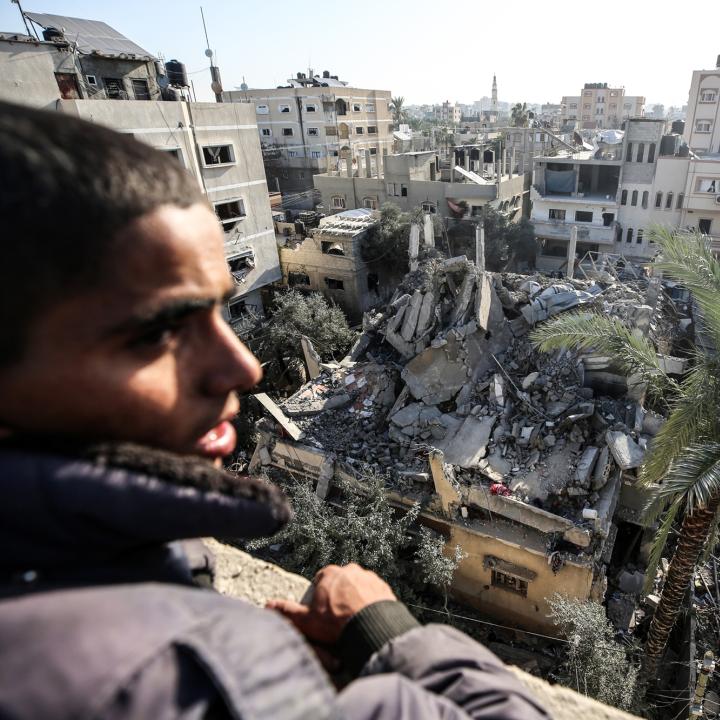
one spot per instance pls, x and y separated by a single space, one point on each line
217 143
316 123
449 113
600 106
702 127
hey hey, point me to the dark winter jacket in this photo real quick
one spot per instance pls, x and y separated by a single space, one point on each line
100 618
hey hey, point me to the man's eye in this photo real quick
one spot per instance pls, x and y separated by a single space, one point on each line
155 337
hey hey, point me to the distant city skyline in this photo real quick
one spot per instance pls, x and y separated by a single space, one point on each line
409 51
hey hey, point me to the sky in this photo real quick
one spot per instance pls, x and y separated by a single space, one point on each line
424 50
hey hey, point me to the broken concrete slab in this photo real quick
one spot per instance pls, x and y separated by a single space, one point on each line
673 365
625 451
436 374
288 426
586 465
411 317
407 415
488 308
601 473
445 485
312 359
425 316
468 444
463 297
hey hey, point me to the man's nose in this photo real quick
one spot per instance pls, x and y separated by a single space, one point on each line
230 364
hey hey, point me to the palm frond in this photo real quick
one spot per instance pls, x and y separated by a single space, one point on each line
692 419
688 258
660 541
584 330
713 539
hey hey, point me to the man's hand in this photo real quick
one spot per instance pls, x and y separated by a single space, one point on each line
338 594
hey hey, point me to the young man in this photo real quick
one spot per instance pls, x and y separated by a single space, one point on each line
118 381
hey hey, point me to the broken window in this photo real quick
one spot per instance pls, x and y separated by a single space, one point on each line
706 185
634 198
357 107
284 108
556 214
266 132
292 153
68 86
315 153
645 198
370 203
175 152
658 200
230 213
628 153
509 582
629 236
141 91
704 225
703 126
262 109
668 201
340 107
640 152
298 278
429 207
114 89
403 190
369 108
651 153
333 284
329 247
680 201
313 131
288 132
583 216
608 218
338 202
372 129
240 265
623 197
218 155
91 80
237 309
639 239
310 108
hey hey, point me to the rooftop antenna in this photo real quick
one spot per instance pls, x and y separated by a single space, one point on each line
22 13
216 82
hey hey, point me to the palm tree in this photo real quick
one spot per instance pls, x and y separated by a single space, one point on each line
682 466
399 114
519 115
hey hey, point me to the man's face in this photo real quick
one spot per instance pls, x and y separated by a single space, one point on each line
146 357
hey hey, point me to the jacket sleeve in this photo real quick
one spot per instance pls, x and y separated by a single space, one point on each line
438 671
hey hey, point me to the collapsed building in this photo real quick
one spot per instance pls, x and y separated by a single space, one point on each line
526 460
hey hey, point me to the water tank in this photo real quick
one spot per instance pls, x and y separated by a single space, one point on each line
326 73
669 145
717 62
176 73
678 127
52 34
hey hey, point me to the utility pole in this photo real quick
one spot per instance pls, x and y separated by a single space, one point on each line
707 667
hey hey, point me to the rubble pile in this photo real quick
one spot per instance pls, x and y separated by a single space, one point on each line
448 366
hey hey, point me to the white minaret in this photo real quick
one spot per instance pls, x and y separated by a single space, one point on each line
494 105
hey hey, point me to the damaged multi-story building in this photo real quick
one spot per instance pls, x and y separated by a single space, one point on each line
71 72
599 106
315 123
526 461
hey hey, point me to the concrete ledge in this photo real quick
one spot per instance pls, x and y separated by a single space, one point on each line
243 576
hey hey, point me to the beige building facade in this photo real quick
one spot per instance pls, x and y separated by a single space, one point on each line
702 127
600 106
312 125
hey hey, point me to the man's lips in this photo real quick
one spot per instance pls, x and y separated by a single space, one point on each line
217 442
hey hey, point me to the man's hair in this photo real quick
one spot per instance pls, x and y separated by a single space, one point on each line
67 187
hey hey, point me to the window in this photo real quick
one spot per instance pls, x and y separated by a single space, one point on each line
703 126
288 132
266 132
68 86
331 130
640 152
359 130
262 109
509 582
583 216
645 198
555 214
429 207
623 197
708 96
704 226
651 153
372 129
357 107
338 202
237 309
627 106
240 265
629 236
175 152
370 107
680 201
114 88
658 200
586 106
668 201
284 108
298 278
292 153
333 284
141 91
573 106
313 131
403 191
316 153
230 213
634 198
628 153
707 185
370 203
310 108
91 80
639 239
218 155
331 247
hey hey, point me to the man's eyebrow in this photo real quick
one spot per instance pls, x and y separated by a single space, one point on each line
167 313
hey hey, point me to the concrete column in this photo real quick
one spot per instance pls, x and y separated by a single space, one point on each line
480 247
414 246
368 164
512 163
466 159
348 166
329 164
572 245
379 163
429 231
503 170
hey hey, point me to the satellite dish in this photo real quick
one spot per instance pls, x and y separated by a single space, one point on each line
216 87
244 86
208 53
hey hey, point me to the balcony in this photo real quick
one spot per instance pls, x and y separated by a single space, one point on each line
604 199
587 232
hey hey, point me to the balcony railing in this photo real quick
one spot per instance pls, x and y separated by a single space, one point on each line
587 232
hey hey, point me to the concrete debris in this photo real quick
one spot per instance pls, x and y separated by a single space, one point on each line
626 452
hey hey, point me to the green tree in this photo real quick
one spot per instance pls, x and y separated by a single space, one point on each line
519 115
596 665
522 243
399 115
498 234
683 462
387 246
